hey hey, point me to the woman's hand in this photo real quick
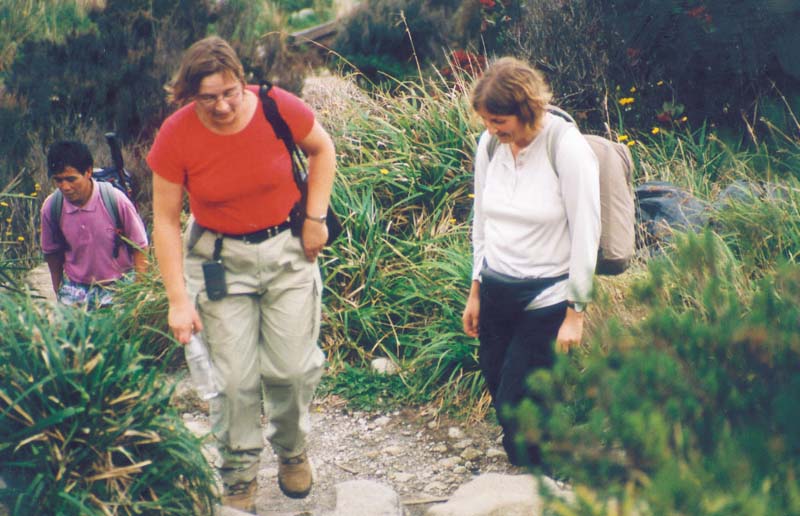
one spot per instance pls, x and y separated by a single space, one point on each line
469 318
183 320
315 234
570 332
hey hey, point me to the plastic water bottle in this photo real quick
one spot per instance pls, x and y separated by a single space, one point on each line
200 368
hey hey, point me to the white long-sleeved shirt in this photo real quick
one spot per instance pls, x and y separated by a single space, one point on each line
530 222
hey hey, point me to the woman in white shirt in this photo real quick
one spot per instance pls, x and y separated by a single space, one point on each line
536 231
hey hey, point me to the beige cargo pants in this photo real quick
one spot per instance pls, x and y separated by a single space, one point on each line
263 339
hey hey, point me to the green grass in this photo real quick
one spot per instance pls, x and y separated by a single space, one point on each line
85 422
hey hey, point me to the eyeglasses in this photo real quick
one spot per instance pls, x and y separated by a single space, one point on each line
209 100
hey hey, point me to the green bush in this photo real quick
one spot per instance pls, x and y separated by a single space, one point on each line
392 37
691 409
112 74
85 425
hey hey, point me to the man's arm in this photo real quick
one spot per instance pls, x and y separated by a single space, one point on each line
140 262
55 262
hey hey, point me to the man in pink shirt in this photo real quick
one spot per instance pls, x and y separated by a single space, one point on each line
80 248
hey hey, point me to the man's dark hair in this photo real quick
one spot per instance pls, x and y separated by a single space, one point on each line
67 153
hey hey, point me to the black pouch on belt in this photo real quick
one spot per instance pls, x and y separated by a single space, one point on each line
511 295
214 274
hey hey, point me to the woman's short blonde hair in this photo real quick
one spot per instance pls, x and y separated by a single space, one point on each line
205 57
512 87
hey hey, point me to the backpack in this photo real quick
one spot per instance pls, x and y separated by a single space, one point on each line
107 178
617 212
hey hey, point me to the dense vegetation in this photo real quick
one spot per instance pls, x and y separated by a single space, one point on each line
682 400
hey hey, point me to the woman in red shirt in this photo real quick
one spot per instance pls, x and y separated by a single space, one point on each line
263 329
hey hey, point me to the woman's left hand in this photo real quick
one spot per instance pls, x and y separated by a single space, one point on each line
315 234
569 335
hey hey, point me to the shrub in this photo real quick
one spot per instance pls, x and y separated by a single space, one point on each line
392 37
689 410
85 426
114 74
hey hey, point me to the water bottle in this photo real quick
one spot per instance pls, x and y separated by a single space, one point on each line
200 368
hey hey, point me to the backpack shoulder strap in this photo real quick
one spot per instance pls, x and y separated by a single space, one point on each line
282 131
110 202
56 207
554 135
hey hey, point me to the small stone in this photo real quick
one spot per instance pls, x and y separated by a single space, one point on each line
435 487
459 470
460 445
455 433
382 421
393 450
449 462
439 448
402 477
471 453
493 453
384 366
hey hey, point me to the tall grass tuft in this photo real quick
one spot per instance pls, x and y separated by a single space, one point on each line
85 425
398 278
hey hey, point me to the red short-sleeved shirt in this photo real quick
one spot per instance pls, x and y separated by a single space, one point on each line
237 183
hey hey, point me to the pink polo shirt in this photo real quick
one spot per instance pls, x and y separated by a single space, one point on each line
90 231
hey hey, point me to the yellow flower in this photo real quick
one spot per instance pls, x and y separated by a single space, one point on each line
631 143
37 186
625 101
622 137
660 83
21 238
384 171
471 196
8 219
4 204
633 89
453 221
34 194
684 118
655 130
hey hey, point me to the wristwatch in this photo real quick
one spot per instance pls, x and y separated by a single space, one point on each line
578 307
320 219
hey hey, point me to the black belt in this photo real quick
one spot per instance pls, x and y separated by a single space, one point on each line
256 237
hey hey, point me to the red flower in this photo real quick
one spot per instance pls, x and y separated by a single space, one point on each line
664 117
489 4
697 12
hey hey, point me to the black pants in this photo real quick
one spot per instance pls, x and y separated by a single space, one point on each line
513 343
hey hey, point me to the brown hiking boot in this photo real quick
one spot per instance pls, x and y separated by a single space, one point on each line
294 476
241 496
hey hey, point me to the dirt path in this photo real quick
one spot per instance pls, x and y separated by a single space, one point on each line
422 458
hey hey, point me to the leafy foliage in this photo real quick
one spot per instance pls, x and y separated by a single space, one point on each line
391 37
689 411
85 426
113 74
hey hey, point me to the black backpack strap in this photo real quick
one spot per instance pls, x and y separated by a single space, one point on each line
110 202
282 131
56 207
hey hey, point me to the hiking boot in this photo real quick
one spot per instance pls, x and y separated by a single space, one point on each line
294 476
241 496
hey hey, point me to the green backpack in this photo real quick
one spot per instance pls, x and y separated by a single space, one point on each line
617 210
